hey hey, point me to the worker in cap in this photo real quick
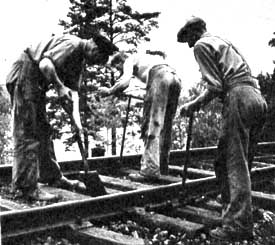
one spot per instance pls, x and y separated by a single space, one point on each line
227 76
57 61
191 30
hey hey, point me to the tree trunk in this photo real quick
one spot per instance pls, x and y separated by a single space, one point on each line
113 140
269 130
85 123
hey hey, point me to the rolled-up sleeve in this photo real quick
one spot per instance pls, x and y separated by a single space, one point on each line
60 52
208 67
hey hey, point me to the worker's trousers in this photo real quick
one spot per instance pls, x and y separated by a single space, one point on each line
244 114
160 105
34 157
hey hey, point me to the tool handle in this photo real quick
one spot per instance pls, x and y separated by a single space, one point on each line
82 152
124 129
80 145
187 152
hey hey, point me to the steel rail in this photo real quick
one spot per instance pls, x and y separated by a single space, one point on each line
16 223
113 162
59 214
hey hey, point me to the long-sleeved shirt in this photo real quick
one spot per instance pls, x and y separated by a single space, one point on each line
221 64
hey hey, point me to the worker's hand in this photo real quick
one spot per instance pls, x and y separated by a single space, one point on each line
188 108
67 105
268 216
78 127
64 93
65 98
104 91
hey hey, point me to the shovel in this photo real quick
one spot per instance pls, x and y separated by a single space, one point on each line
94 186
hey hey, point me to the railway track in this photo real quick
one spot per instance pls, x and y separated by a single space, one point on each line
161 203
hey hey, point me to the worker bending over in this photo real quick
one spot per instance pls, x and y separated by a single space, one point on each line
57 61
228 76
160 103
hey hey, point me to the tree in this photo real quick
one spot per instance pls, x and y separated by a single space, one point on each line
5 130
124 27
267 85
272 41
206 125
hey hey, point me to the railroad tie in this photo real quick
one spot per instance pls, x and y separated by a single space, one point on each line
90 234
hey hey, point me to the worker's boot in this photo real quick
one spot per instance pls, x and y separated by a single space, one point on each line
40 195
141 177
226 234
66 183
224 205
219 199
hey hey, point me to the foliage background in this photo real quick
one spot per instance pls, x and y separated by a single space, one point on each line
127 28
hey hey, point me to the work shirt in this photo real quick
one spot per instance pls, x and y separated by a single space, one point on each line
221 64
67 55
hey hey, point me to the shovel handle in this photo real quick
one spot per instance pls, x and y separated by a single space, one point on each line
80 146
82 152
187 152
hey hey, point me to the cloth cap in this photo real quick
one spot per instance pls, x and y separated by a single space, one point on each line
191 25
104 44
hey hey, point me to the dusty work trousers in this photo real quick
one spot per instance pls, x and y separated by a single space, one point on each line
34 156
244 114
160 105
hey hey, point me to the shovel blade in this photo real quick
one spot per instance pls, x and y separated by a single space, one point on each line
94 186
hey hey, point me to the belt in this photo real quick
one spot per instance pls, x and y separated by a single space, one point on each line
159 66
27 52
239 82
242 81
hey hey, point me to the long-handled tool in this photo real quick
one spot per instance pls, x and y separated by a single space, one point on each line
125 124
94 186
187 152
183 193
124 130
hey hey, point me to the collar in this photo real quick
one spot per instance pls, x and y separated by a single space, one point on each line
206 34
83 44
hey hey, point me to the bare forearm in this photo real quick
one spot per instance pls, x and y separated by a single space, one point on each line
119 86
204 98
47 68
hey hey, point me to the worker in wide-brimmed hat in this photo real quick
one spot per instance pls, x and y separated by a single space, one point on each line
59 61
227 75
162 89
